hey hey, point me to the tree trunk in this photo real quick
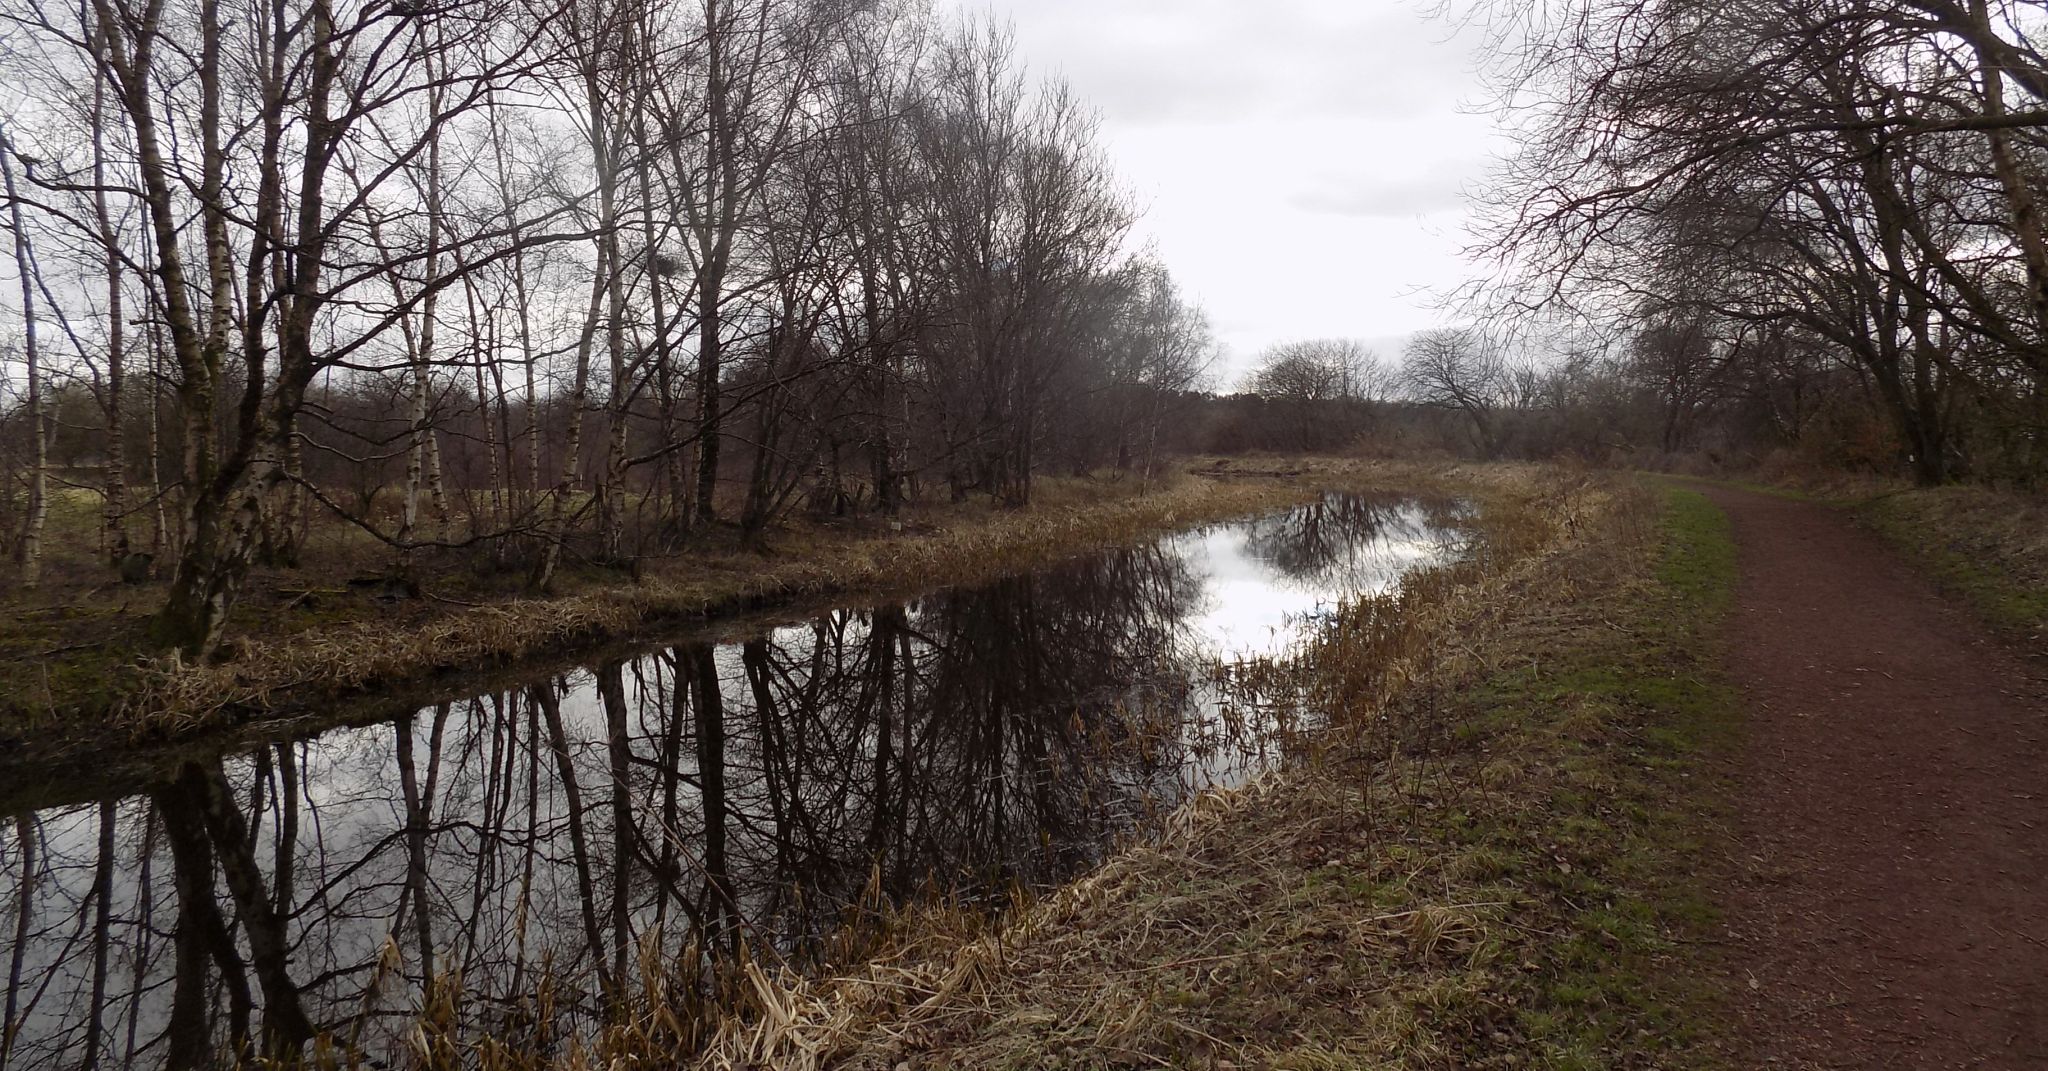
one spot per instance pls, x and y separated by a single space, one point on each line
24 918
714 238
2022 205
611 691
572 460
31 550
222 527
414 899
708 416
286 1028
710 741
102 935
201 938
114 505
579 842
604 150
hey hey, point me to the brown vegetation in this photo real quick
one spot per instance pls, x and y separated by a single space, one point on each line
1487 866
317 644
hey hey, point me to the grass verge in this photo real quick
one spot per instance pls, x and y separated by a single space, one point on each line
1495 865
1988 546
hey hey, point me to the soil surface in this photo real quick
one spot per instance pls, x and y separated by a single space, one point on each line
1889 906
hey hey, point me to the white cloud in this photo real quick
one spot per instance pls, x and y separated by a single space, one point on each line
1440 186
1300 160
1203 61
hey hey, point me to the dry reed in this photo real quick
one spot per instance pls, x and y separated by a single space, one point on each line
1055 970
167 698
1117 968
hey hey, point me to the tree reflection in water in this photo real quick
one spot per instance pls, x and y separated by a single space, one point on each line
1344 542
554 838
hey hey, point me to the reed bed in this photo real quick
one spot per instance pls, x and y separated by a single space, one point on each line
1199 944
1411 895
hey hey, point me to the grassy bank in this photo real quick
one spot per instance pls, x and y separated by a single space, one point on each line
72 674
1988 546
1493 867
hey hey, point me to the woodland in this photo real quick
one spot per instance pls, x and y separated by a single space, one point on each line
509 282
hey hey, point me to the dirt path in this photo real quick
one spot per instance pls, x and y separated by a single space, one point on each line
1890 907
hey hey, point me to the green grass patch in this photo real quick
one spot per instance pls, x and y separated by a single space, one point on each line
1613 707
1698 564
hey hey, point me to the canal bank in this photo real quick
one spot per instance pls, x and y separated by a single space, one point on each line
1499 867
80 684
664 817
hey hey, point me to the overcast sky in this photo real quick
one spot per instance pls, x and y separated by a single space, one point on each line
1299 162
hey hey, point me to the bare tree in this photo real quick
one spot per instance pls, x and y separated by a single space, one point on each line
1462 370
30 552
385 269
1329 387
1851 177
1162 347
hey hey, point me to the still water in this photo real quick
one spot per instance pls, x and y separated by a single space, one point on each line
768 790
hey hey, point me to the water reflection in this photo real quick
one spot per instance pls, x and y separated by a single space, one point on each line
533 850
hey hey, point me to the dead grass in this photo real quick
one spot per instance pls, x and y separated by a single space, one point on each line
1489 868
59 695
1491 862
1989 546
